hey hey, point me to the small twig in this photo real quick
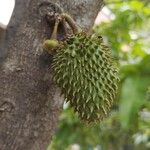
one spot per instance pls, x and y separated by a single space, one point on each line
71 23
54 33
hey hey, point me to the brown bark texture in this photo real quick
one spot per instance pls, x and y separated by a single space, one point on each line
30 102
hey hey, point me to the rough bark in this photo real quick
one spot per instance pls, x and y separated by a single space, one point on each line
2 38
2 32
30 102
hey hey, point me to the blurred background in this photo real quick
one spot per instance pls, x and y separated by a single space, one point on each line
125 27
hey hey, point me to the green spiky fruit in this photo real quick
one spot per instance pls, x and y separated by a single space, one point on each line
86 73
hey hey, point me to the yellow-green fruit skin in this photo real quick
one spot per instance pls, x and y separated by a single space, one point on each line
49 45
87 75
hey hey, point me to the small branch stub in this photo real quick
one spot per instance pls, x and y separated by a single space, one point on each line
51 44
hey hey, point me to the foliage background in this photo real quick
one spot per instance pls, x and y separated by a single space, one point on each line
128 127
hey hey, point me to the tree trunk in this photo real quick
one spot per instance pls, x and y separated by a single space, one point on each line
30 102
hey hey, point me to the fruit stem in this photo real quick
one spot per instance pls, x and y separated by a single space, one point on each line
71 23
54 33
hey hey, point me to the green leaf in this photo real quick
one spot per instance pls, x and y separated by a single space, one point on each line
132 98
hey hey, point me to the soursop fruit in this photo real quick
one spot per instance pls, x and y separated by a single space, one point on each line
87 75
